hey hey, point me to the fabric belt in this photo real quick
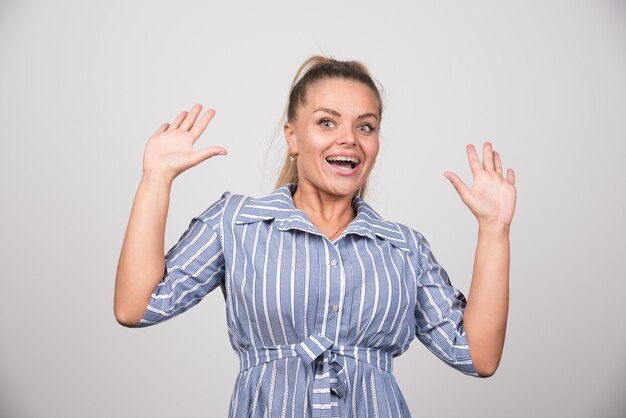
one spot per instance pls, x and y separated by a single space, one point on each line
327 365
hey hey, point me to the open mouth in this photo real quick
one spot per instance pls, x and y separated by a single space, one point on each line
343 163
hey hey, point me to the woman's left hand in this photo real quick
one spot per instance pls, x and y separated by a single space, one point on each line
491 197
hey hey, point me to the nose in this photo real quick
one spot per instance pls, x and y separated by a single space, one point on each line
348 137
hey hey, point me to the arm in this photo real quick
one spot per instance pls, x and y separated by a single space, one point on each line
492 200
141 264
439 310
488 300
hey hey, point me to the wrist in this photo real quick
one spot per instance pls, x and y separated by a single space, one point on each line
493 228
157 176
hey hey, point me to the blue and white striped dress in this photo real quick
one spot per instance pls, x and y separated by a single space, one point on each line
316 324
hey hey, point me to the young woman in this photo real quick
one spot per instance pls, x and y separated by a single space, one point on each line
321 292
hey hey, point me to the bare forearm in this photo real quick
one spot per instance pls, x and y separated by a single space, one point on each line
141 261
487 308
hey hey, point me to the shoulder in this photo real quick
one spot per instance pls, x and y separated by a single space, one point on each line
227 207
399 234
234 208
419 252
414 239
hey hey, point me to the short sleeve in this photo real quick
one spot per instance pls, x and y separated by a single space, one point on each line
194 266
439 312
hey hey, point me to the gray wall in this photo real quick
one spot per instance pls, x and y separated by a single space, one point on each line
84 84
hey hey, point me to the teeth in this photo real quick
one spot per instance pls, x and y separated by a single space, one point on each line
340 158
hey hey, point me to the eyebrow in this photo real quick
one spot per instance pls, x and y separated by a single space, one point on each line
334 112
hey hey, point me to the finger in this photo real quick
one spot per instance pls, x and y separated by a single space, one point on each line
206 153
202 124
510 176
472 157
191 117
162 128
177 121
487 156
458 184
497 162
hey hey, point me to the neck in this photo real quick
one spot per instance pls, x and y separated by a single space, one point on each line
330 214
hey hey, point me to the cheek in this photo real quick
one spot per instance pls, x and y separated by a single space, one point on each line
303 136
314 142
372 150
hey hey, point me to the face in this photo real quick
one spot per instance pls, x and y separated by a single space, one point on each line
335 136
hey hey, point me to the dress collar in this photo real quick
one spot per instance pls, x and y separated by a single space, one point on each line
279 206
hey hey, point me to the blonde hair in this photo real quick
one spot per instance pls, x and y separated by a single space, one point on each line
314 69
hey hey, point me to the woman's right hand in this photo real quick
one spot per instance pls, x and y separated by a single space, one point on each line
169 151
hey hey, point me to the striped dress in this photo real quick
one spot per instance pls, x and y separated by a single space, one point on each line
315 323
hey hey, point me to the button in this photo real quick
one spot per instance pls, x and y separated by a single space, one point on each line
333 263
335 308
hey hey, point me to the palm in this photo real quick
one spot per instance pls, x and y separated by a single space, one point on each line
491 197
170 148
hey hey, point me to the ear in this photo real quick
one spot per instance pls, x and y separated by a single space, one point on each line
290 135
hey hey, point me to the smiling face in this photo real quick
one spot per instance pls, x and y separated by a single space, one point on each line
335 136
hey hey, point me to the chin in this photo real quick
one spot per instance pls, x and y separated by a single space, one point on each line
344 190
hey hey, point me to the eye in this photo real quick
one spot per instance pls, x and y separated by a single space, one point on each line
326 123
366 128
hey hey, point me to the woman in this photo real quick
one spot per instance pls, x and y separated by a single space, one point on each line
321 292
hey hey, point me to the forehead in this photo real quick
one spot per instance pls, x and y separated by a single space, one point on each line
340 94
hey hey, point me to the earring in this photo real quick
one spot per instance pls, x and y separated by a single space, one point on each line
292 157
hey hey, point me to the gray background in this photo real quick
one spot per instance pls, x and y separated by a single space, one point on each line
84 84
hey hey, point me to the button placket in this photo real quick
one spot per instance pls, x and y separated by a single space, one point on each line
352 279
335 288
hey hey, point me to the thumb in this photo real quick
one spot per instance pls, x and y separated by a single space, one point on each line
458 184
206 153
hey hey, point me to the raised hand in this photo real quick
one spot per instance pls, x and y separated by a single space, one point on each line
491 197
170 151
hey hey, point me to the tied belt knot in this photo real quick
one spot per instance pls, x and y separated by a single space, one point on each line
329 373
326 361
